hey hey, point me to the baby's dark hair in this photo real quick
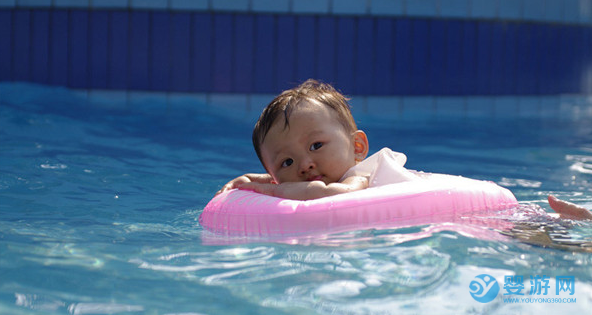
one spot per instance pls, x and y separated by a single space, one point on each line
311 90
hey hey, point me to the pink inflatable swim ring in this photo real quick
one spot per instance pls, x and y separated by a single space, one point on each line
431 199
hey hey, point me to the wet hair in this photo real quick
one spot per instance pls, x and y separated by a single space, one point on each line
287 101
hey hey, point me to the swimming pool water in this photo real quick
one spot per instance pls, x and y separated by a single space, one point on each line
99 207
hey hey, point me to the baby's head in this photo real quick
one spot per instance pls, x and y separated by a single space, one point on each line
308 133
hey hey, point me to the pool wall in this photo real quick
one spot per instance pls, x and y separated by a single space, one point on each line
390 54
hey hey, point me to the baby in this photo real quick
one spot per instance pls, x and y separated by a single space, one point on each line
308 142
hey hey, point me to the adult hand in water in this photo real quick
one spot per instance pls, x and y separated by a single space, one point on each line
568 210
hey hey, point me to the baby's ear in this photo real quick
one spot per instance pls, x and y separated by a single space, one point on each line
361 146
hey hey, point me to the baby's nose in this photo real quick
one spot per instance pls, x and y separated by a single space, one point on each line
306 166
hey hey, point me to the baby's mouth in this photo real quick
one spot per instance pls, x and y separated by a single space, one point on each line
313 178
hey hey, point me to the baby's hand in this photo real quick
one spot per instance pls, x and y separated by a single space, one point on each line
568 210
247 178
234 184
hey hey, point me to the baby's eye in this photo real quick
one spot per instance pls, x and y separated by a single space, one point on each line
287 162
316 146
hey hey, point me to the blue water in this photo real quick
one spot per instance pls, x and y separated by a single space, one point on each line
99 207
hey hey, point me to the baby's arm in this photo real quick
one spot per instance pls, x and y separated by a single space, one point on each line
247 178
307 190
568 210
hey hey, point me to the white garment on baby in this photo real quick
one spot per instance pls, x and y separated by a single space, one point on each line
381 168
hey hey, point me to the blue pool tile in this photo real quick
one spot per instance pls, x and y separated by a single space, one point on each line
570 57
364 62
554 10
180 52
454 8
110 4
510 41
305 50
384 56
118 50
58 63
244 26
72 3
587 51
189 4
387 7
455 76
264 56
527 59
511 9
159 61
436 74
222 79
7 3
326 50
420 61
466 82
5 45
546 51
551 50
230 5
149 4
483 58
484 8
98 54
201 66
40 39
497 51
534 10
310 6
427 8
22 45
285 50
355 7
271 6
139 49
33 3
403 53
78 50
344 81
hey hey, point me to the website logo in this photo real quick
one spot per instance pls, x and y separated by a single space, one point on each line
484 288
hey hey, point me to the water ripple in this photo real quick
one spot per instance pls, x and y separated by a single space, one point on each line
301 277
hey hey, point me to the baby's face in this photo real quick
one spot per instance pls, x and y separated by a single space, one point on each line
314 146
